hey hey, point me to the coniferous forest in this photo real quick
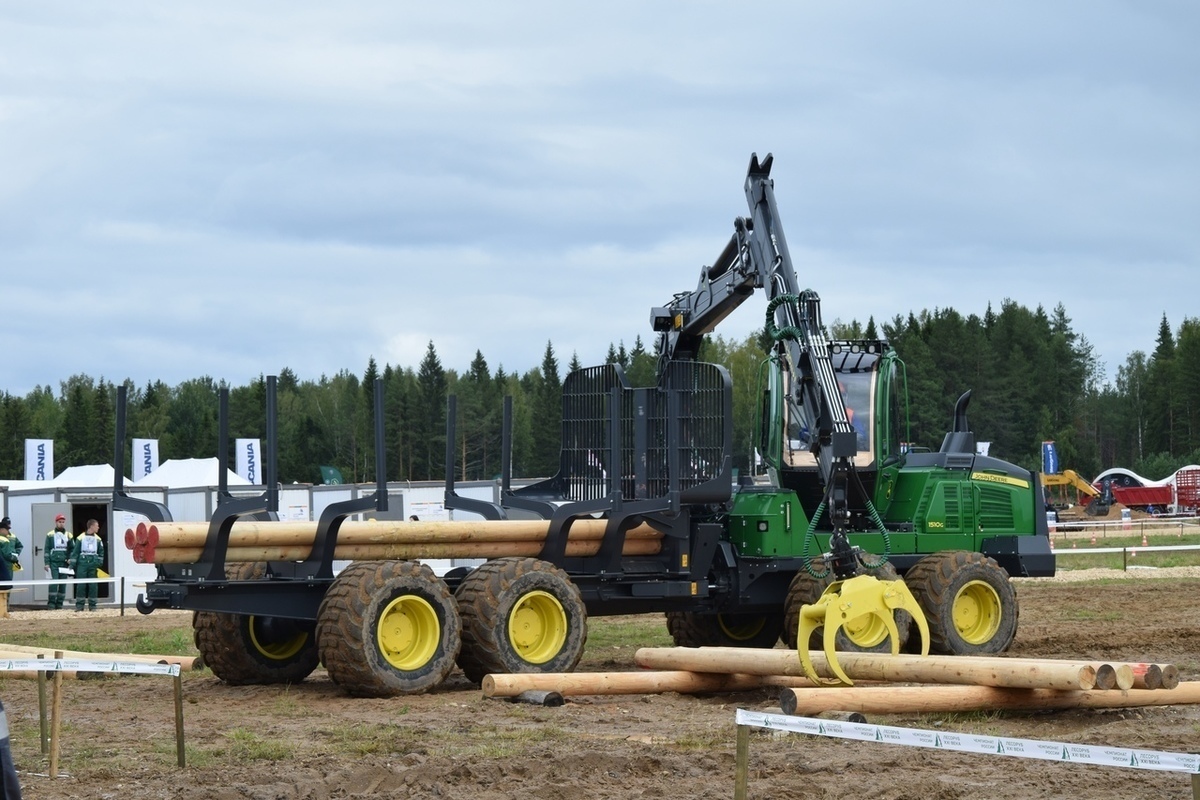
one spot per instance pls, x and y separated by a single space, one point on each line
1032 377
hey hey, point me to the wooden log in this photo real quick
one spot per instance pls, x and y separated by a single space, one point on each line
1147 676
941 699
377 552
969 670
251 533
1124 675
1106 676
570 684
1170 675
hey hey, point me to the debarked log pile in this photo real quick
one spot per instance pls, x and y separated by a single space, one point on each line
897 684
183 542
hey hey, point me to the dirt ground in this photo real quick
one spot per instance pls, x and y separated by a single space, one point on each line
312 741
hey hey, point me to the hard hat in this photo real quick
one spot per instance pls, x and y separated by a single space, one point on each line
61 518
5 523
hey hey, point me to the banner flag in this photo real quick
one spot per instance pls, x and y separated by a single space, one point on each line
332 476
145 458
249 460
1049 458
39 459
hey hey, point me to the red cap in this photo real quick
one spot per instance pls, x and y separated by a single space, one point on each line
61 518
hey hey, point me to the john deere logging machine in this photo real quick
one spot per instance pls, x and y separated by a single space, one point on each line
849 511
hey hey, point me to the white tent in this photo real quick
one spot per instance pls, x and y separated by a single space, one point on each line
90 475
187 473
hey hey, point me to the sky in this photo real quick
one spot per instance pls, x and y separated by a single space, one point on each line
227 189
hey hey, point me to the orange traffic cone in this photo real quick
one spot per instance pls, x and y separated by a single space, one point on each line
1144 542
1093 540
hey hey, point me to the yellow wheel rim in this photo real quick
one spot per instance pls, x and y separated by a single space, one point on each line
408 632
741 630
537 627
977 612
276 651
866 631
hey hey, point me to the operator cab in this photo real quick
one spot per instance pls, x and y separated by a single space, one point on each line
856 367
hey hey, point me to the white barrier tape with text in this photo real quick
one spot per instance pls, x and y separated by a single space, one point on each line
971 743
77 665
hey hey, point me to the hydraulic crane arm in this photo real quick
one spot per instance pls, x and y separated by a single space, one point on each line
757 257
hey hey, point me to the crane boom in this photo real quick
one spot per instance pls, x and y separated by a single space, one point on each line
757 257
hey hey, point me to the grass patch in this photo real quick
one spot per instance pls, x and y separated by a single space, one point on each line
246 746
610 636
175 641
362 740
705 742
1066 559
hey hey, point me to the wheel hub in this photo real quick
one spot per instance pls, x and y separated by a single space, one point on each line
276 639
537 627
977 612
408 632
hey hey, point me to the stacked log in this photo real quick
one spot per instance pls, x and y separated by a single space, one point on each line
570 684
952 683
963 670
940 699
183 542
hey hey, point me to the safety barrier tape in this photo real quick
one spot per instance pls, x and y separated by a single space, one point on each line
78 665
971 743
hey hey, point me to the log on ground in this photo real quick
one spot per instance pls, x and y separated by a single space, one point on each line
570 684
943 699
964 670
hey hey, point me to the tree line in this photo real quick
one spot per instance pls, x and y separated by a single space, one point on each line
1032 378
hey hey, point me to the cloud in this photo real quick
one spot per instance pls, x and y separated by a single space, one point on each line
233 189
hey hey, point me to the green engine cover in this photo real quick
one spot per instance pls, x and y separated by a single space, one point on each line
767 523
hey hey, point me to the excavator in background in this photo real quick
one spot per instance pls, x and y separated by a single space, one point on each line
1087 497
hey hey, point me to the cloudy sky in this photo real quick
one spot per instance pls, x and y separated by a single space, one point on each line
228 189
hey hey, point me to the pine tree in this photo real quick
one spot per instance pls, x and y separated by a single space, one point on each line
429 463
547 405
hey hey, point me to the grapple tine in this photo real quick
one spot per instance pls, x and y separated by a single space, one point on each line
846 601
899 596
830 643
813 617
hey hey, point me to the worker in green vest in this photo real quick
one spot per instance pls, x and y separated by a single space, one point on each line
58 551
17 544
8 555
87 556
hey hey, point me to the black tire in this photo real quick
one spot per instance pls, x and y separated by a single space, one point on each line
690 629
864 635
968 600
520 615
386 628
246 649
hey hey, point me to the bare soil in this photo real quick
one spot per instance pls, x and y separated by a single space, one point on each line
312 741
